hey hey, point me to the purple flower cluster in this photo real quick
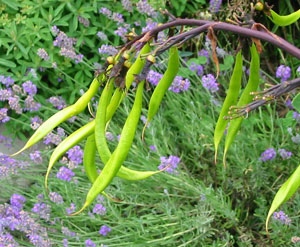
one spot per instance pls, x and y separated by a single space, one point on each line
127 5
29 88
179 84
15 220
204 53
66 45
117 17
58 102
56 198
171 162
104 230
284 153
109 136
209 82
52 138
75 155
121 32
6 80
83 21
283 72
269 154
36 157
35 122
282 217
102 35
3 115
89 243
108 49
67 232
214 5
30 104
42 209
99 209
145 8
197 68
296 116
71 209
41 52
65 174
10 166
150 24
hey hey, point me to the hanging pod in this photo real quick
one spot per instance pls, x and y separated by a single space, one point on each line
231 99
163 85
119 155
245 98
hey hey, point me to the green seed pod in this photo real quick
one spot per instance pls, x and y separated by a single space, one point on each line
285 20
151 58
231 99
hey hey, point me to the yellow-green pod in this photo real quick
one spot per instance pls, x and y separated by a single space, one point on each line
89 155
119 155
231 99
163 85
64 114
284 20
113 104
245 98
137 66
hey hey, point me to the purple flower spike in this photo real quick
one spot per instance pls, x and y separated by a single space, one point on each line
283 72
284 154
65 174
269 154
209 82
104 230
171 161
17 201
3 115
282 217
214 5
89 243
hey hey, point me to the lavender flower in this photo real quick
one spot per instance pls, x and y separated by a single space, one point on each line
269 154
52 138
295 239
14 103
55 30
214 5
36 157
56 198
35 122
5 141
102 35
296 116
179 84
171 161
29 88
288 103
7 81
42 210
17 89
117 17
3 115
10 166
5 94
152 148
41 52
121 32
283 72
83 21
298 71
282 217
58 102
75 154
65 242
109 136
284 154
209 82
296 139
108 49
65 174
67 232
30 104
104 230
197 68
150 24
71 209
105 11
17 200
154 77
99 209
145 8
89 243
127 5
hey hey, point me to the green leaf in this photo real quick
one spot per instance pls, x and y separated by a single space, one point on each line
7 63
285 193
58 9
228 63
296 102
74 23
11 3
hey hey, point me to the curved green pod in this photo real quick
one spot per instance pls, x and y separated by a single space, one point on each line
119 155
284 20
64 114
231 99
245 98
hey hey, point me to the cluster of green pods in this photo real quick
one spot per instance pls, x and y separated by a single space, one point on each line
117 80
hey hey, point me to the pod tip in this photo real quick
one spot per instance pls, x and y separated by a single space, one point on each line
144 129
